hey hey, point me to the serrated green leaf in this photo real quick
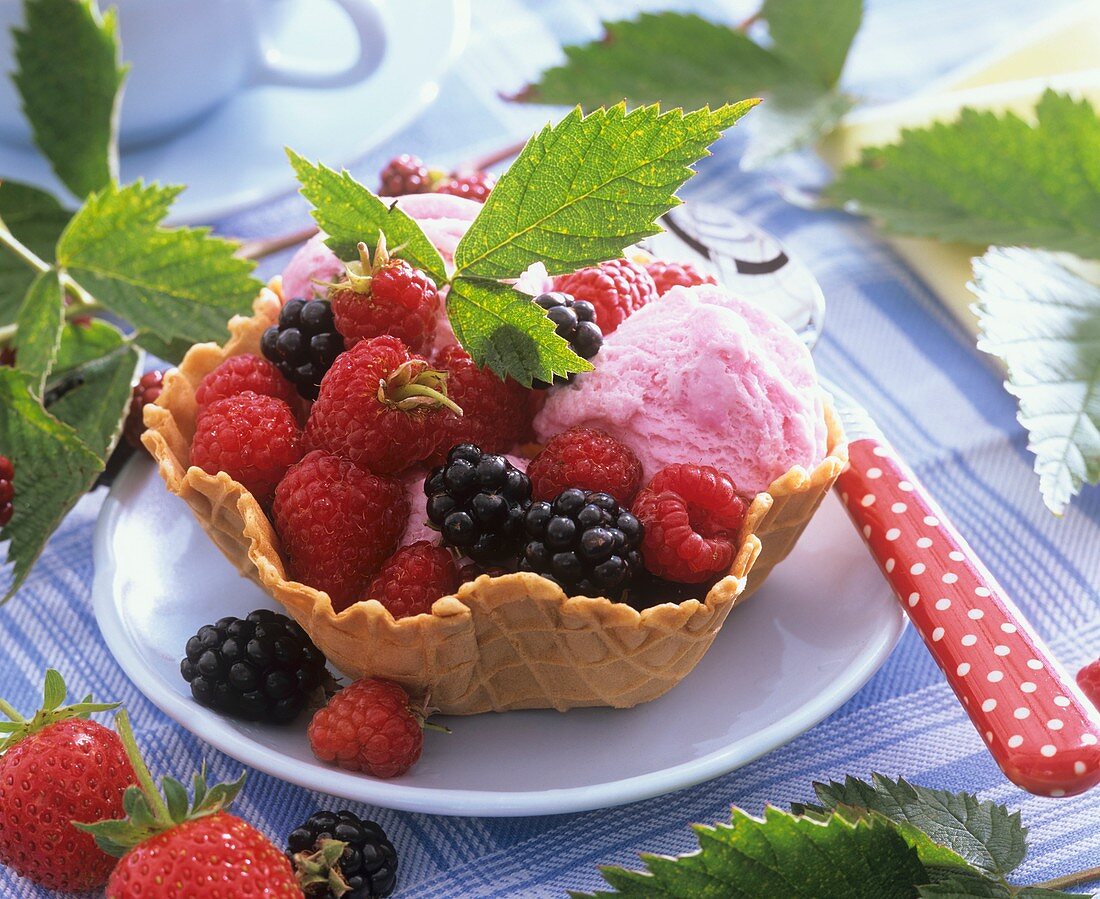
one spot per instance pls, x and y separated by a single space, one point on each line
935 857
501 328
53 469
780 855
983 833
38 326
675 59
70 78
813 36
176 282
963 887
349 213
81 343
792 118
989 179
1040 313
36 220
584 189
96 407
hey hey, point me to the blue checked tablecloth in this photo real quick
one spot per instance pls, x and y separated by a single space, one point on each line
887 340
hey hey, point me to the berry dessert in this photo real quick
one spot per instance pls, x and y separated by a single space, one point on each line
338 854
589 459
666 275
7 490
616 289
575 322
260 668
56 767
238 374
413 578
304 344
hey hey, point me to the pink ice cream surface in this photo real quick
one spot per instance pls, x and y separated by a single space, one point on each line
701 377
418 528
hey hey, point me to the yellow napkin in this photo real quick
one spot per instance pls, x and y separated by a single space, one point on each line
1062 53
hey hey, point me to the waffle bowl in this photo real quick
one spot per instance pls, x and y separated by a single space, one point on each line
510 642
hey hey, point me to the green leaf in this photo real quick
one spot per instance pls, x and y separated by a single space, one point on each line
169 350
53 690
349 213
39 328
973 887
780 856
1040 313
813 36
53 469
674 59
96 406
176 798
36 220
82 343
584 189
70 78
176 282
983 833
988 179
501 328
790 119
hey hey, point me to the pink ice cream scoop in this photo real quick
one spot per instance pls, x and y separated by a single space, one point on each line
701 377
444 219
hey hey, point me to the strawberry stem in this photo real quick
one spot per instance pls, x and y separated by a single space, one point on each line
145 778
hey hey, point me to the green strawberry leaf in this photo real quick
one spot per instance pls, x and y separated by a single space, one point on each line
82 343
675 59
792 118
36 220
176 282
780 855
501 328
988 179
1040 313
38 326
171 351
983 833
349 213
70 77
813 36
96 405
53 469
584 189
974 887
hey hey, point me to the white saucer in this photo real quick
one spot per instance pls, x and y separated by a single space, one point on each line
235 158
821 626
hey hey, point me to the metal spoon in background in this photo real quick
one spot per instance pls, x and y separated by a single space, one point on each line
1039 728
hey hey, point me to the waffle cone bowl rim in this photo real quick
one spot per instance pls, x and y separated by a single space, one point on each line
169 427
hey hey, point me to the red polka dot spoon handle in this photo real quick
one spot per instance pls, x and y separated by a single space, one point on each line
1042 731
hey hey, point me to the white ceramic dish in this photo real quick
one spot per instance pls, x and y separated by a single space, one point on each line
235 158
821 626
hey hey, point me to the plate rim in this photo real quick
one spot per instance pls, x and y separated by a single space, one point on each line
210 728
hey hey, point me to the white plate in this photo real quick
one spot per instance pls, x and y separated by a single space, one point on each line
819 628
235 158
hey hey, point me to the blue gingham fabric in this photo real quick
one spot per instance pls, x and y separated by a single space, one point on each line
888 341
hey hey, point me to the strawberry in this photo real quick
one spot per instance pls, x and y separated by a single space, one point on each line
169 848
54 767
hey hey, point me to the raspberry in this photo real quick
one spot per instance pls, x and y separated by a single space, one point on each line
413 578
496 414
337 523
583 541
260 668
667 275
365 869
240 373
368 726
387 296
471 571
616 288
380 406
1088 679
404 174
575 322
303 344
7 490
471 185
145 392
589 459
253 438
477 501
692 514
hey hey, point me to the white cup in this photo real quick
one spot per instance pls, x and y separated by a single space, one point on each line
189 56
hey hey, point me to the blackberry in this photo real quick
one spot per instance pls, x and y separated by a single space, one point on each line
7 490
260 668
584 542
574 320
477 501
303 344
365 869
